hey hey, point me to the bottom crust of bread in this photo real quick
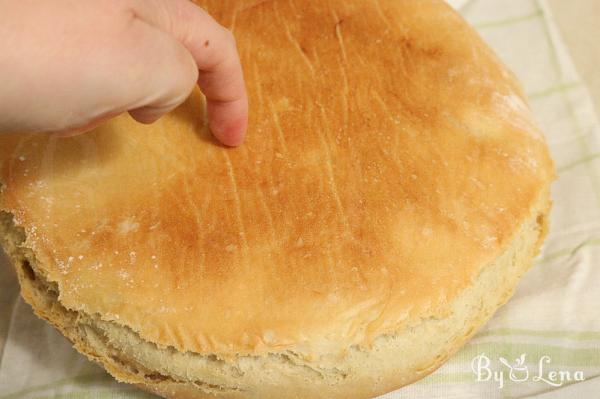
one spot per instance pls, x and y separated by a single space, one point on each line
391 362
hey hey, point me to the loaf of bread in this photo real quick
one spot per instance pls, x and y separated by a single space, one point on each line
392 190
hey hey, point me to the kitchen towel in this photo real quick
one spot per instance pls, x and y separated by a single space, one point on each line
545 343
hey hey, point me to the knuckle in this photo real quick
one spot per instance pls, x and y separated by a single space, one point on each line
184 76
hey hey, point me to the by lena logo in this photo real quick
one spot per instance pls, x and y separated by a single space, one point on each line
518 371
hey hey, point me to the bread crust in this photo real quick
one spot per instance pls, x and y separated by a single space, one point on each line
386 169
392 362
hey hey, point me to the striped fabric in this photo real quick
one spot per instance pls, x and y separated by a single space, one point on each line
545 343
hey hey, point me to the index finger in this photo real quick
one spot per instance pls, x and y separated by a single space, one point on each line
214 50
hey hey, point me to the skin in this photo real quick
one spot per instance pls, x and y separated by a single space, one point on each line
69 65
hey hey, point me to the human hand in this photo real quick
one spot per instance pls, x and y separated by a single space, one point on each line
68 65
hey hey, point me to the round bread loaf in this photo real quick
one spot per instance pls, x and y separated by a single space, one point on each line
392 190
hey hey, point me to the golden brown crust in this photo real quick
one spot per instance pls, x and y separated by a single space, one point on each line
393 361
390 158
368 195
